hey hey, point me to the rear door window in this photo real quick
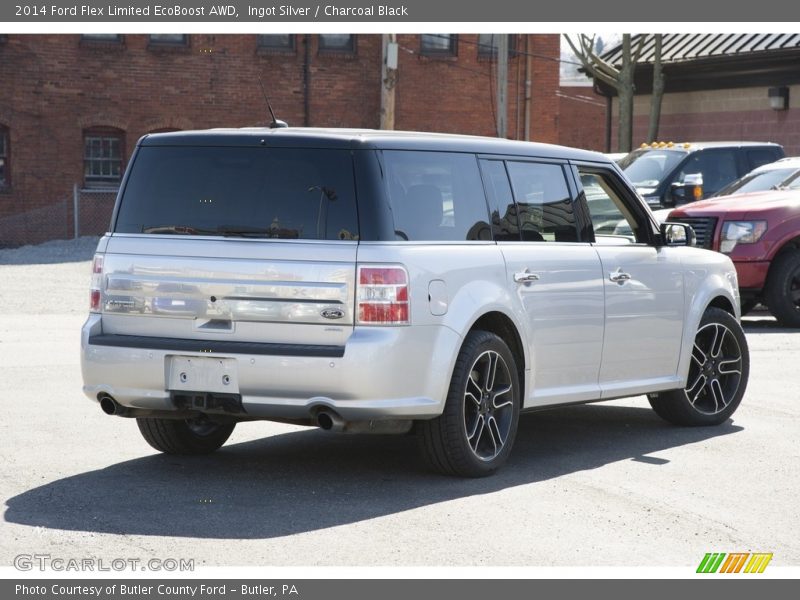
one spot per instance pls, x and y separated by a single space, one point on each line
544 207
287 193
436 196
762 156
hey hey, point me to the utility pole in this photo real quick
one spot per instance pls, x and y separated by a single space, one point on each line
502 85
388 80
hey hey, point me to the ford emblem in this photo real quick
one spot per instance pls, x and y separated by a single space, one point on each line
332 313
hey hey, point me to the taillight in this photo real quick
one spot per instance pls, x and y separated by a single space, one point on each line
382 295
96 291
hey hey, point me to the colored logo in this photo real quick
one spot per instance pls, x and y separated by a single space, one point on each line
734 562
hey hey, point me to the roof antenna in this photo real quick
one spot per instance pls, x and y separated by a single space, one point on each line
276 124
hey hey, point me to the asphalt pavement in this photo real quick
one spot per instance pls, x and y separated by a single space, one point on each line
602 484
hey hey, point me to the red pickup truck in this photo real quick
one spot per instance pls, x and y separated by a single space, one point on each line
760 232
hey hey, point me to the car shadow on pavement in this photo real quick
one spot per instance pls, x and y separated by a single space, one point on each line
310 480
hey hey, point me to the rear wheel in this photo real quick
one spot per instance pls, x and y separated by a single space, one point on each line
718 374
474 435
185 436
782 293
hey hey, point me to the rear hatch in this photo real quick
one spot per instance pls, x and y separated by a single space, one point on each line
245 244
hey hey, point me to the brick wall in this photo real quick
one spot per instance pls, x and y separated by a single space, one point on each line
740 114
581 118
56 86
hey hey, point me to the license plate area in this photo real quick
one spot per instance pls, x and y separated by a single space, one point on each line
202 374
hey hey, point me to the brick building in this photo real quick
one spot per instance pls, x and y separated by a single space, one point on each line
72 106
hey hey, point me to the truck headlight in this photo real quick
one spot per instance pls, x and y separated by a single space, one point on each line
740 232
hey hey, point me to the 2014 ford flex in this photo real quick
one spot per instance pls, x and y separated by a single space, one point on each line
371 281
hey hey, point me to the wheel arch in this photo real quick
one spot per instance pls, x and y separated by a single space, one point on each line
782 248
503 326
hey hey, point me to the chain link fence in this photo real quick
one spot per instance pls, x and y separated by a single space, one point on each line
37 225
86 213
92 210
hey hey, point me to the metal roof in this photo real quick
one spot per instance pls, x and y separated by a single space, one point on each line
683 47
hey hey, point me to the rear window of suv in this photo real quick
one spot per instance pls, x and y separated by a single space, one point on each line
288 193
436 196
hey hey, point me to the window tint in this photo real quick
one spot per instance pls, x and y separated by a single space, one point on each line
250 192
436 196
762 156
544 206
612 221
505 222
718 168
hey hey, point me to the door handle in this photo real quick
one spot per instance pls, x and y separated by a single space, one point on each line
619 277
525 277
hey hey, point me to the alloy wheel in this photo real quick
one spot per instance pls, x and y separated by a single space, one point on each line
488 405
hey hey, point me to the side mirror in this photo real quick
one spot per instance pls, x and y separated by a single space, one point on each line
688 190
678 234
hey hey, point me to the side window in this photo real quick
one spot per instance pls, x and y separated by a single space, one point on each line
436 196
718 167
761 156
505 222
544 207
612 221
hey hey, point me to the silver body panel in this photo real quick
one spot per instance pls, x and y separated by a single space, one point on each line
584 336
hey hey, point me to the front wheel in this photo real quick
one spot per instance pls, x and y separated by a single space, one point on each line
718 373
474 435
782 293
184 436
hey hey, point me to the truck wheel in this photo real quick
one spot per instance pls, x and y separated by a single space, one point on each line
718 373
783 289
184 436
475 432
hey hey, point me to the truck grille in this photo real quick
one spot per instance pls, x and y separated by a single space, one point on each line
703 228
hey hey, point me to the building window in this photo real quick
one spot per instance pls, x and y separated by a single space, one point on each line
101 37
438 44
278 42
169 39
488 42
337 42
102 157
5 169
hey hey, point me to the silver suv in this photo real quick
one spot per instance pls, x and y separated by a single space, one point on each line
369 281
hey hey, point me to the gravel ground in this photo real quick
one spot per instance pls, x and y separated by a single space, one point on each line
33 268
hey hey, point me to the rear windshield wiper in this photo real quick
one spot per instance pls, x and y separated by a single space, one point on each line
178 230
252 232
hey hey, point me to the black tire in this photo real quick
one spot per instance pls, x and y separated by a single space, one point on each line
782 293
184 436
720 367
464 439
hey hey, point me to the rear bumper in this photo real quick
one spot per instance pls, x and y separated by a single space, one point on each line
383 373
